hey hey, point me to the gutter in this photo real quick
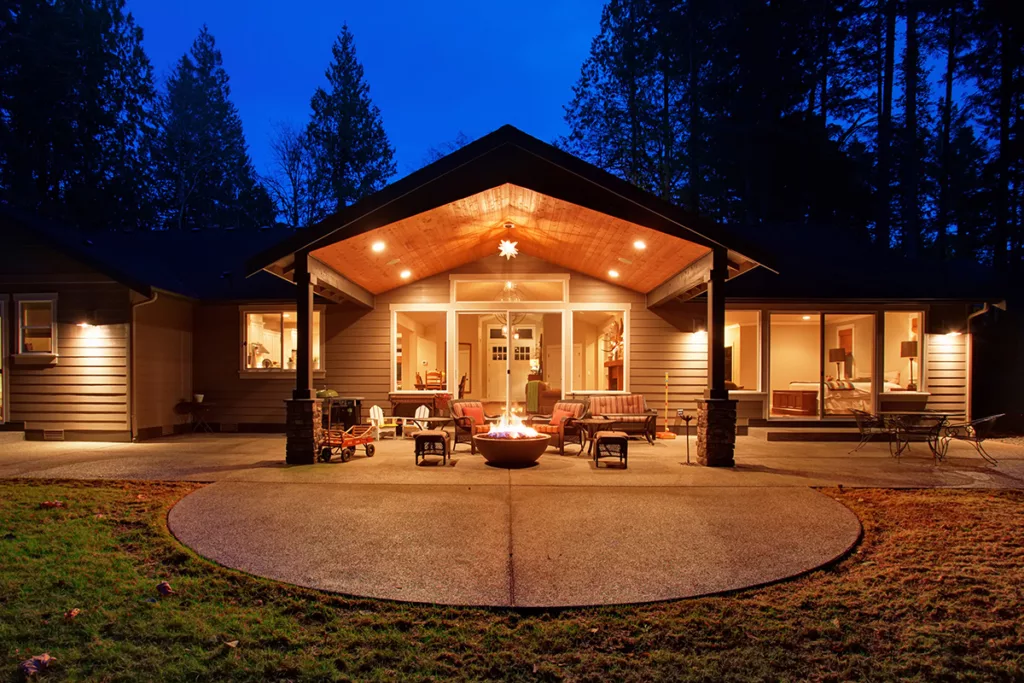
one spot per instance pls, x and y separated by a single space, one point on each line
985 308
131 375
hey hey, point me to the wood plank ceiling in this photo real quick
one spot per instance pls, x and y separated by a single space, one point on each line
469 229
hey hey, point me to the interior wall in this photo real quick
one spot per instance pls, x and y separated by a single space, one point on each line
750 344
863 343
794 353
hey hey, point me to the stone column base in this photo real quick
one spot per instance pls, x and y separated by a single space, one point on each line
304 430
716 432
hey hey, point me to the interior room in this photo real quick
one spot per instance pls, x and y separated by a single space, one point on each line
598 351
421 351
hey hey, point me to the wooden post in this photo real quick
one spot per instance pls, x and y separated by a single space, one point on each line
716 325
304 328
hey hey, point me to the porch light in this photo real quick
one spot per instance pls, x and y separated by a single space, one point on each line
807 317
700 336
287 315
613 273
639 245
378 247
84 326
405 274
507 248
954 333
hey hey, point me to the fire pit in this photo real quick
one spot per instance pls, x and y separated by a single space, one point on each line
510 443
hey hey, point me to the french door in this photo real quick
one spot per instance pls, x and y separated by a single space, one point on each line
501 351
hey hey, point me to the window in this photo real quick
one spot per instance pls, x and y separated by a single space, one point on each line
37 325
850 359
902 351
509 291
271 340
794 365
743 349
598 351
421 351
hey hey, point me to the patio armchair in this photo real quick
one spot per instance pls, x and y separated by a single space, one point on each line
383 426
470 419
869 426
629 413
974 433
562 424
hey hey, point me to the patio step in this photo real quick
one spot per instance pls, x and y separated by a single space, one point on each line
839 434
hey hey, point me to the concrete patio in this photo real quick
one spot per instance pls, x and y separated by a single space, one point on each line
561 533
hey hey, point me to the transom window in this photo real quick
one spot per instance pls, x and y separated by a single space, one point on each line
271 340
37 326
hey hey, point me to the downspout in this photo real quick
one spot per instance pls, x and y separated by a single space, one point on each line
131 375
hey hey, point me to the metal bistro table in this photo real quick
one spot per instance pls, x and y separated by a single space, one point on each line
906 426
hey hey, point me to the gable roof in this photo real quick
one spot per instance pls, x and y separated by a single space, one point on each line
507 156
199 264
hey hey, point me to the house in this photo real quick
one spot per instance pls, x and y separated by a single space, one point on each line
506 262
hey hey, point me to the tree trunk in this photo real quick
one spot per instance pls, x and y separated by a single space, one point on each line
883 234
1002 160
946 156
911 198
695 117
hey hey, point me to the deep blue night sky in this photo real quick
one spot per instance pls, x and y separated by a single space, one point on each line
434 68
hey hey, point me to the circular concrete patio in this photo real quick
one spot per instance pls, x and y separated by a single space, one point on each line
507 544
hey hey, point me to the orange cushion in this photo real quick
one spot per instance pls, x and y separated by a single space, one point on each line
546 429
559 415
481 429
474 413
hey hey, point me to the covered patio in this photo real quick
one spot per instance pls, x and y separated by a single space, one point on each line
523 213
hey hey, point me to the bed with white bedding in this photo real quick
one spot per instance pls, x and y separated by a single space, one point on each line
844 396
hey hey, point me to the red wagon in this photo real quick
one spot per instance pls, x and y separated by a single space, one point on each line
344 442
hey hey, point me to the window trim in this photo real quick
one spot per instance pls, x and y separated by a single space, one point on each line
19 301
627 332
393 312
277 373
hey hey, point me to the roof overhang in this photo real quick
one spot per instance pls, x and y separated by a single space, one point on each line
508 176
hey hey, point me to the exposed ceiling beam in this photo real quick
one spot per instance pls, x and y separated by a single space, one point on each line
327 281
690 280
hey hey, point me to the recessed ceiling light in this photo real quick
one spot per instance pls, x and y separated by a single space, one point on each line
625 260
639 244
405 274
807 317
613 273
378 247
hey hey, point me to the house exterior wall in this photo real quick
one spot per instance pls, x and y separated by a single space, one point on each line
84 390
162 364
659 342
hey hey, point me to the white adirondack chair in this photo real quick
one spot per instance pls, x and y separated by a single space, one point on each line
380 425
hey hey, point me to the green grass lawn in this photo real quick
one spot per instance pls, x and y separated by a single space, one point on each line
935 591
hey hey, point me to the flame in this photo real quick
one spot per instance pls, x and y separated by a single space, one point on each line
511 427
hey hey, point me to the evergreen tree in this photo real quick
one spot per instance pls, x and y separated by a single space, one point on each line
205 177
352 153
76 112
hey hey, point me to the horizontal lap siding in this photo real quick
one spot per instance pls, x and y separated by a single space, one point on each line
947 373
657 347
163 363
216 361
87 389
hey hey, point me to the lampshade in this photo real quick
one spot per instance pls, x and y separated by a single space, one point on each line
836 355
908 349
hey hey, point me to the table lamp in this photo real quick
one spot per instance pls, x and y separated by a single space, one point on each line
908 349
837 356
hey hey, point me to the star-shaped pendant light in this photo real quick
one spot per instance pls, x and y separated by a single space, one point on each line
507 248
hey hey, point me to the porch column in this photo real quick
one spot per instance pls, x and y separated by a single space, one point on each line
304 411
716 414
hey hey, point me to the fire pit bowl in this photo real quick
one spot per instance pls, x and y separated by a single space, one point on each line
512 453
